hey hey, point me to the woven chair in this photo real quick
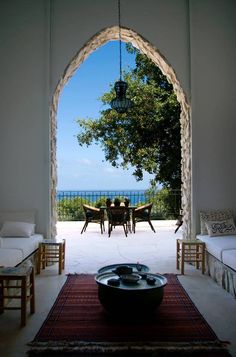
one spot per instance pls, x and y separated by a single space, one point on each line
143 214
93 215
179 222
118 216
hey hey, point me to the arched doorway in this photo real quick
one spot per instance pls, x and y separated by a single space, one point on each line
128 35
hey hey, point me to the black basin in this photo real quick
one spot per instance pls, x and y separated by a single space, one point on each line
122 268
124 298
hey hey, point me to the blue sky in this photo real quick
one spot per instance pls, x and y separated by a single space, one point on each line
82 168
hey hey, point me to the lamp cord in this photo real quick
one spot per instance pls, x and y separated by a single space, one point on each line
120 39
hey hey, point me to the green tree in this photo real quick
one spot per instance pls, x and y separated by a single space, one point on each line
147 137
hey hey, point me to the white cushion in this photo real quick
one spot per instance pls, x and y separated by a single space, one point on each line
215 246
229 258
17 216
17 229
221 228
10 257
26 245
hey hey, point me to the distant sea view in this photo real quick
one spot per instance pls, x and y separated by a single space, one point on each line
135 196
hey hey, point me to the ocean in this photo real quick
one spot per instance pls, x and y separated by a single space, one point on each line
135 196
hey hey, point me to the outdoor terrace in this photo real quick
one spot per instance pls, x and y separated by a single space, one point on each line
87 252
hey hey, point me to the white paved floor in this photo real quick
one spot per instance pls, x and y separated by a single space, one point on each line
91 250
88 252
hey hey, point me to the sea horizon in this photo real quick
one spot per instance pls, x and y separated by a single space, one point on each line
134 195
105 189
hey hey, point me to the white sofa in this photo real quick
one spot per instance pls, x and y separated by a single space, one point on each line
17 248
220 247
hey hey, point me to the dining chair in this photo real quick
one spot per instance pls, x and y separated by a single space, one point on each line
118 216
93 215
142 214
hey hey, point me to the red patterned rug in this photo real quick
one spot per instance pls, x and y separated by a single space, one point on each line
78 325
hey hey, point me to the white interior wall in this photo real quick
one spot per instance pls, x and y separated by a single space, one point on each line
213 77
24 118
155 20
32 58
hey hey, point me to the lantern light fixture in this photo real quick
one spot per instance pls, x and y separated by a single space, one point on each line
120 103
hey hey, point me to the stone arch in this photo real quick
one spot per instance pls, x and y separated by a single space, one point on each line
128 35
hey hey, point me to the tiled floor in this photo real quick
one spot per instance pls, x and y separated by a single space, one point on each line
88 252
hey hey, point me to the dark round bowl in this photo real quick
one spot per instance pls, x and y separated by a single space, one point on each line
136 299
124 268
130 278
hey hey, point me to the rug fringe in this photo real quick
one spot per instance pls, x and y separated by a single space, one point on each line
94 348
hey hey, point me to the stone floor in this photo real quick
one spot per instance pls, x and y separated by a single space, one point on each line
88 252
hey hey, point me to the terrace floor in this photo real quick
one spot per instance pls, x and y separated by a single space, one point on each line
86 253
91 250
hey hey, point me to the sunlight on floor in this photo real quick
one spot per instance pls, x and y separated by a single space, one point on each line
87 252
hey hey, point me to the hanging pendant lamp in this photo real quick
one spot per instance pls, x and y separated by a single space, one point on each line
120 103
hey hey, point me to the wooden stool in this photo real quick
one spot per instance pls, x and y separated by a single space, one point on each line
191 252
51 251
23 280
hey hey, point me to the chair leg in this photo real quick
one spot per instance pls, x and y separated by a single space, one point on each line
129 227
109 229
125 229
84 227
134 226
151 226
101 227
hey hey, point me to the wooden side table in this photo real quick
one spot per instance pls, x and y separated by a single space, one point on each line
23 280
51 251
190 252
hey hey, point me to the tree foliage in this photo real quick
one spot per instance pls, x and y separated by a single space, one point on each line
147 137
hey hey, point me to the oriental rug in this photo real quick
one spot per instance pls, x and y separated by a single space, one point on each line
78 325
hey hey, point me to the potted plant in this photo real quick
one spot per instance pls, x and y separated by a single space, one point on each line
126 202
108 202
117 202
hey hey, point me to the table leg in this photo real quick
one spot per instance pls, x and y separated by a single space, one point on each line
39 259
182 258
203 259
64 252
177 254
60 259
1 297
23 300
32 292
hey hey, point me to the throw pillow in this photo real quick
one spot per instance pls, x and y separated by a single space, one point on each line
213 215
17 216
221 228
17 229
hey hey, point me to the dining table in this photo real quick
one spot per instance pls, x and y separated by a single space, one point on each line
131 209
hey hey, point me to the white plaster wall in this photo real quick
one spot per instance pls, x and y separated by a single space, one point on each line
24 119
213 77
33 59
75 22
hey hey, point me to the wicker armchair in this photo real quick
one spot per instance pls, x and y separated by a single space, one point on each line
143 214
118 216
93 215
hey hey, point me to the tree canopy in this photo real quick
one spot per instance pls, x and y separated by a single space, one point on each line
147 137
